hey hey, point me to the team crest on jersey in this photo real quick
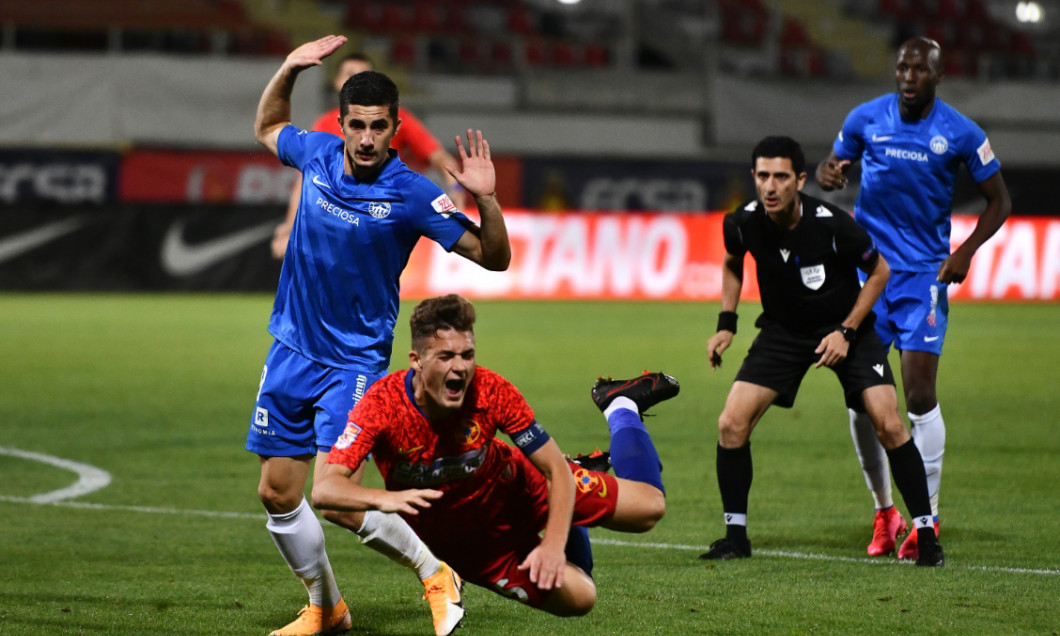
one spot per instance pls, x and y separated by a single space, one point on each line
470 434
348 437
379 210
443 205
986 154
587 482
812 276
939 145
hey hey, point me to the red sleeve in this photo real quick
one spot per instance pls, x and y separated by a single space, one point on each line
413 138
328 122
511 411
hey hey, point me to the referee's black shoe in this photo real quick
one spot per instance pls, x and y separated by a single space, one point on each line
929 553
645 390
725 549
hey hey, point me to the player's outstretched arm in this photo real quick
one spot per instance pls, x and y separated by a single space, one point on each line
487 245
830 172
998 207
274 108
548 560
335 490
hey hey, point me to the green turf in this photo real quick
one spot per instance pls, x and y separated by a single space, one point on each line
157 390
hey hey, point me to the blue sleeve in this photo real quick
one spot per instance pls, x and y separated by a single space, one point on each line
296 147
530 438
977 154
850 142
291 146
434 214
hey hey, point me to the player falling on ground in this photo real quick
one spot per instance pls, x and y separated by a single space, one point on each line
911 145
479 503
361 213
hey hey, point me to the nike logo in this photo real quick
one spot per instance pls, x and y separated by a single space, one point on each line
882 137
16 245
409 451
182 259
930 338
317 181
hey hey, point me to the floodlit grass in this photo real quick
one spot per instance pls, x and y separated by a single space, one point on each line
157 390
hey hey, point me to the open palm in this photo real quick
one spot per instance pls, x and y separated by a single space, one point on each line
477 175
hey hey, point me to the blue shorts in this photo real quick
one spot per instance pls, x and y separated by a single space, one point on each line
302 405
913 312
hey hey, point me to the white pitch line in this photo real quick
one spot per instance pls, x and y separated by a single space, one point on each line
89 478
92 479
825 557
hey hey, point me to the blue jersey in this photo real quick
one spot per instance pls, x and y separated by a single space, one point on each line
337 299
908 169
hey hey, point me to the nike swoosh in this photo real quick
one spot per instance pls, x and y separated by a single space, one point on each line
930 338
18 244
181 259
320 183
883 138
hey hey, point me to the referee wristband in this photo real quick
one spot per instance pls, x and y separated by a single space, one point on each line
727 321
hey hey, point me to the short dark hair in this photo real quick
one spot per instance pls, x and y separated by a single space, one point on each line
438 314
776 146
370 88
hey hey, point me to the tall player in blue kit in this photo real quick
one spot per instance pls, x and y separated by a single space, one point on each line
911 146
361 212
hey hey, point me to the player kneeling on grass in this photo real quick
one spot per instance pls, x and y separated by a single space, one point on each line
814 312
477 502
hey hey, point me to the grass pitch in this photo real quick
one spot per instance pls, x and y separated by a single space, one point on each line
157 391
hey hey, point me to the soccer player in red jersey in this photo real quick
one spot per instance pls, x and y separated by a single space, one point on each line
477 502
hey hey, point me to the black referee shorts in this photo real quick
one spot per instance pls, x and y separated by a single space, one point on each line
778 359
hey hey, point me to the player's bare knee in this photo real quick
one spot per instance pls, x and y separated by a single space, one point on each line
732 431
278 501
891 431
653 509
577 597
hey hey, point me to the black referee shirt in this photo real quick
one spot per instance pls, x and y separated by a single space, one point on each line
807 276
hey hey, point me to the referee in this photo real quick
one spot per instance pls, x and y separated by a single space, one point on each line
814 313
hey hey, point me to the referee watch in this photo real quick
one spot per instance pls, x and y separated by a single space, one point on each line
849 333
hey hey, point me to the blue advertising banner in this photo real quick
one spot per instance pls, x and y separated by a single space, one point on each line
67 177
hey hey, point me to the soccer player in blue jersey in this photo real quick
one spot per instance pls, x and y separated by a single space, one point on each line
362 211
911 145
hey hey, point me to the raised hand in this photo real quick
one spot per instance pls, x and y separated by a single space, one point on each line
477 175
313 53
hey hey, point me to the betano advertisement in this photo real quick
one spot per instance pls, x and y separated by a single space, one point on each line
678 257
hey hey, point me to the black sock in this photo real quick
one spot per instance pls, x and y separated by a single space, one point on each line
735 473
907 468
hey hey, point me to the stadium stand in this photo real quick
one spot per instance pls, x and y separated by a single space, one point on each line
830 38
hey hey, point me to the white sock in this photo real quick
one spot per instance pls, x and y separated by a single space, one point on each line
873 458
300 539
620 402
929 435
389 535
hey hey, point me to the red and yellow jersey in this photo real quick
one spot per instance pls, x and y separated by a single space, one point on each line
460 456
414 143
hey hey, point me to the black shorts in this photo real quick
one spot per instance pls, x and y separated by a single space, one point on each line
778 359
